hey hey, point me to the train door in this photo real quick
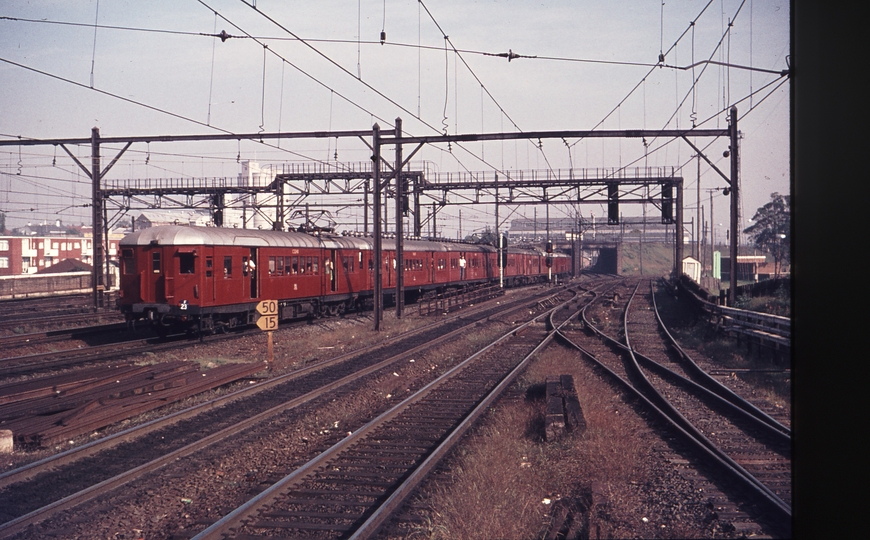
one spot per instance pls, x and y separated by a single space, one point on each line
388 269
249 272
185 275
209 295
152 276
332 271
462 264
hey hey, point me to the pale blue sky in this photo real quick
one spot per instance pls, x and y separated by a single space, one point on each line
211 83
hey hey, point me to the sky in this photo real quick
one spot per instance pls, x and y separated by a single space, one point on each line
135 68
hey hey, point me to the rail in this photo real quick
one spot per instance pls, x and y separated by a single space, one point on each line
446 302
772 330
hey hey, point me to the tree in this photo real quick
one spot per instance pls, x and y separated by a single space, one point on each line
2 222
771 229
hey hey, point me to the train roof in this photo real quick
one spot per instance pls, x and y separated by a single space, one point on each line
181 235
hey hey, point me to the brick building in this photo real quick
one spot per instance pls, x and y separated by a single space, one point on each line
29 254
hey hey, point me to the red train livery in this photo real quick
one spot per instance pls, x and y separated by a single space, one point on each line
206 279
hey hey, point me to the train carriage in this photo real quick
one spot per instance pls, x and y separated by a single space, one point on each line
209 279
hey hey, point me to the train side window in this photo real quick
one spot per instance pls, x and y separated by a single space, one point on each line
185 263
129 261
279 268
288 269
295 265
209 264
312 264
155 262
272 266
228 266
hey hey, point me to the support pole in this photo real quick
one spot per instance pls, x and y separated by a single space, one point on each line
376 226
418 225
498 239
400 243
732 289
366 209
97 220
678 232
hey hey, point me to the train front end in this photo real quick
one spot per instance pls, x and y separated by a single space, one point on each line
159 282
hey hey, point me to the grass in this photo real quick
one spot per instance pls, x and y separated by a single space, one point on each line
506 480
658 259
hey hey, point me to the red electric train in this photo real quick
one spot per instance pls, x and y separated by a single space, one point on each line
207 279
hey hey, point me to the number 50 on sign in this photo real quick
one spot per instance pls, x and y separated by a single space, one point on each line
268 310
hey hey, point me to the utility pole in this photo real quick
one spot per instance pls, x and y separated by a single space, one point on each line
400 214
735 207
697 250
500 250
378 254
97 219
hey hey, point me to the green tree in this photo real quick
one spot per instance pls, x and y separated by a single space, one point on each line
771 229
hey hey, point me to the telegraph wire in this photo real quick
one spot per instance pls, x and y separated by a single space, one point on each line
343 69
150 107
224 36
483 87
94 53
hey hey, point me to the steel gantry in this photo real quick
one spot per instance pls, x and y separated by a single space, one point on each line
611 186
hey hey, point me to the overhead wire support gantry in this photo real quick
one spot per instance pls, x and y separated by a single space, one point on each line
379 182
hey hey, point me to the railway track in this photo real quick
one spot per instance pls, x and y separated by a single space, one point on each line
355 486
12 342
750 448
190 432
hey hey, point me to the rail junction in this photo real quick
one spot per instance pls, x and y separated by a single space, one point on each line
353 479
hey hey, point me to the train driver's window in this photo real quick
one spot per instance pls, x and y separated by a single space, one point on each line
228 266
155 262
185 263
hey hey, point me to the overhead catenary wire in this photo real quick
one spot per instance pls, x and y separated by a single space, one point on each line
455 101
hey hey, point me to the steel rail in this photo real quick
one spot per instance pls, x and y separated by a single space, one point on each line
742 474
662 415
59 335
712 383
69 456
687 434
737 405
20 523
274 492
